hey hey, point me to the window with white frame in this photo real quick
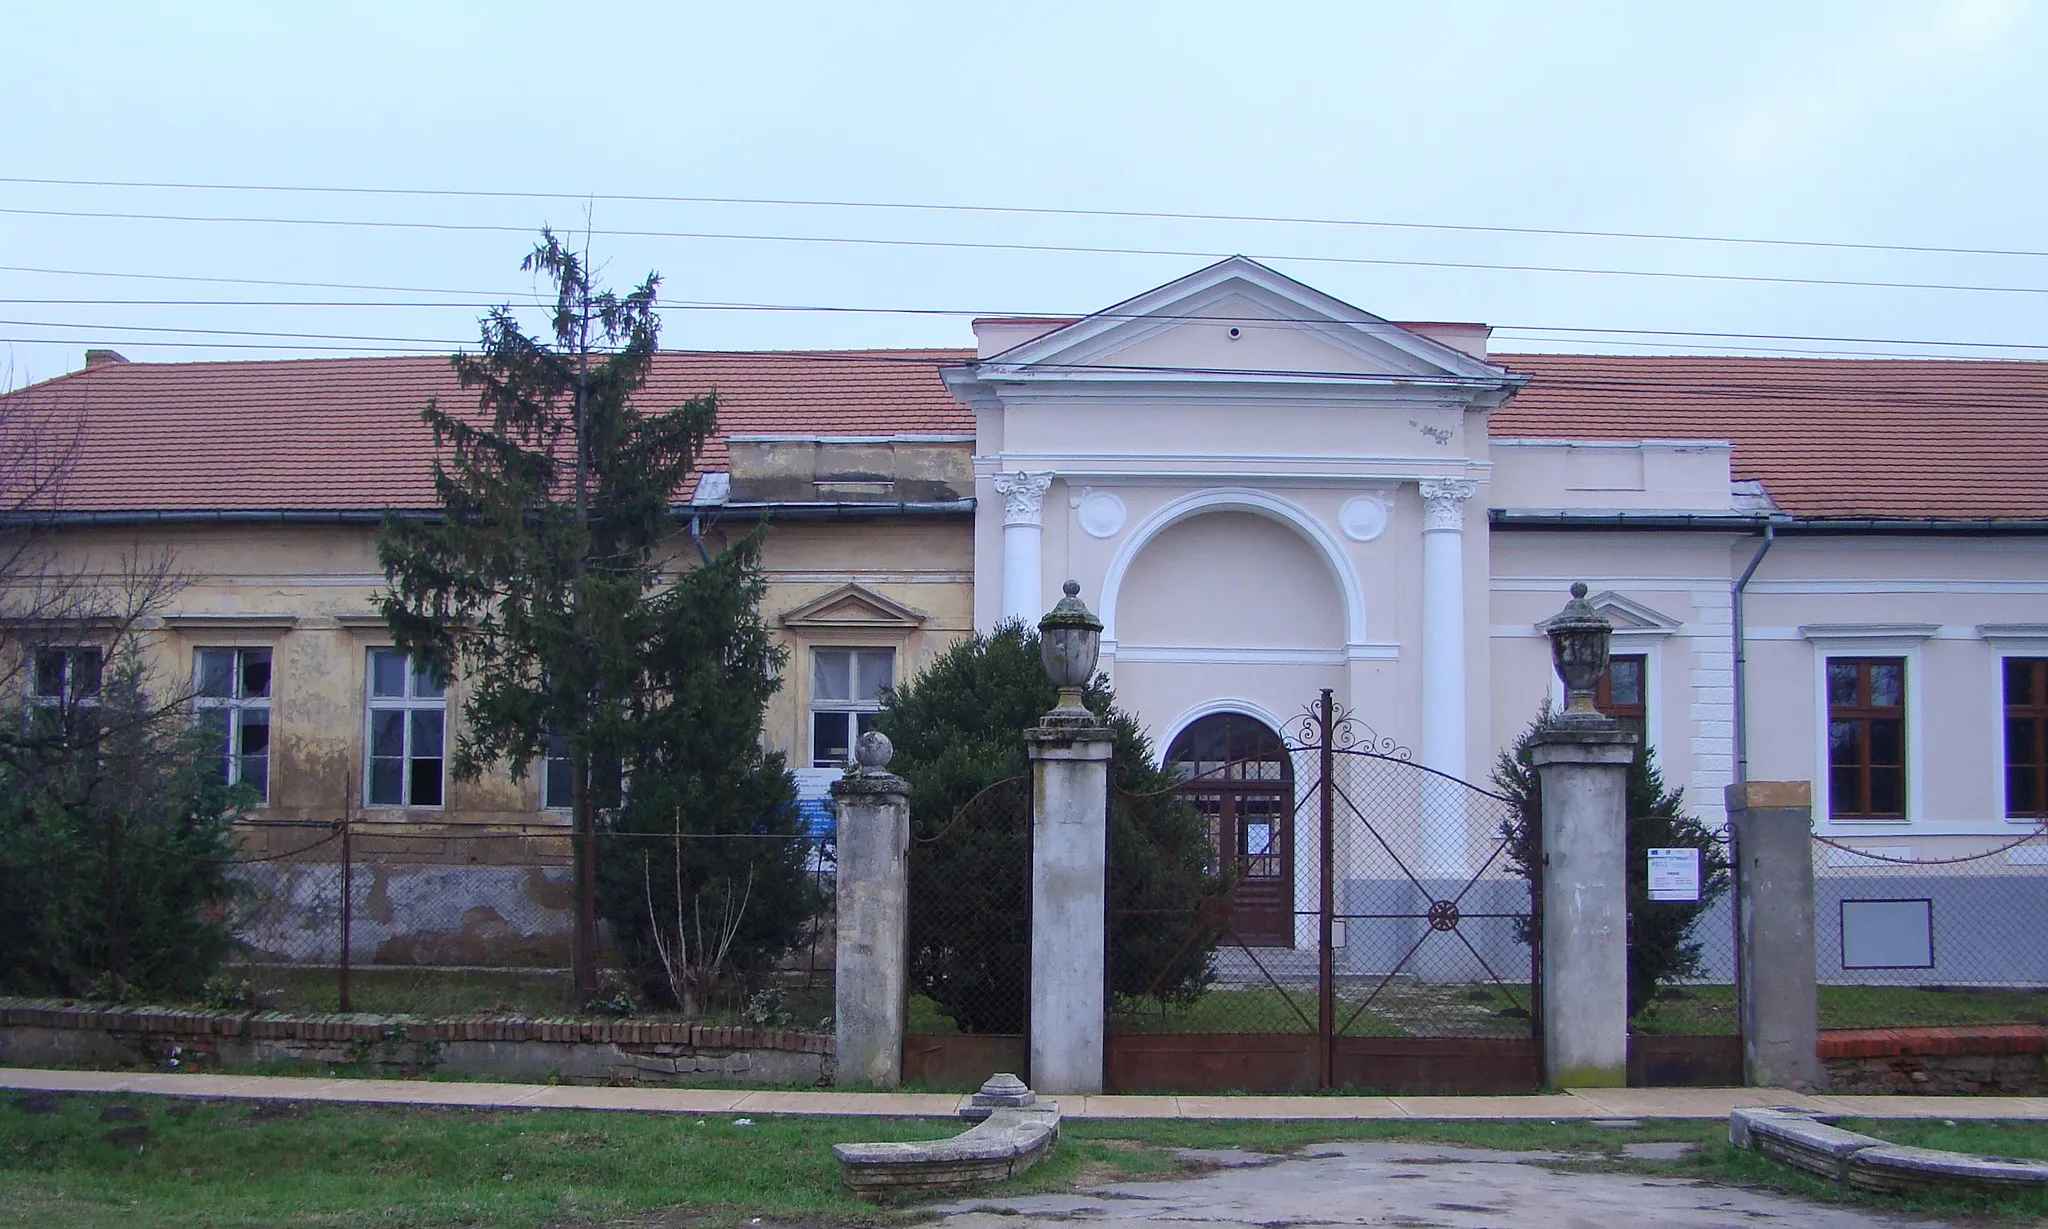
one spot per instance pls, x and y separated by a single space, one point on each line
64 693
66 676
407 732
846 694
2026 737
1866 699
556 785
231 698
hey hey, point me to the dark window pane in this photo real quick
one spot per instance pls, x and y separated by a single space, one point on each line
2020 739
2022 791
1842 743
256 774
1625 684
1887 684
426 685
557 787
387 673
1887 742
387 733
1845 791
426 733
255 731
2019 681
85 672
216 671
255 674
386 779
50 673
829 746
1841 683
1887 797
426 783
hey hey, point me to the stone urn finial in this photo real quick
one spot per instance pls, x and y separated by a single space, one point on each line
1579 645
1069 641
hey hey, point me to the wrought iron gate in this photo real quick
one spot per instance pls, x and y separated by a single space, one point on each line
1403 955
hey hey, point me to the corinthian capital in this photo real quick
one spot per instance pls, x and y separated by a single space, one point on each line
1022 494
1443 502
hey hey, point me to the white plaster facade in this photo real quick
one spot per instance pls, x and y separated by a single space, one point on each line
1264 492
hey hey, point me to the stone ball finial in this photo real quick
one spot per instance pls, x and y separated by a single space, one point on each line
873 751
1578 588
1072 588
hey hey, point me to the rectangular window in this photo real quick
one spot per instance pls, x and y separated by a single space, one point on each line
66 676
846 693
1623 693
231 697
1866 737
556 785
2026 738
408 715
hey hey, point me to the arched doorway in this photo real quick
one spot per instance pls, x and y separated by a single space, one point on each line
1236 772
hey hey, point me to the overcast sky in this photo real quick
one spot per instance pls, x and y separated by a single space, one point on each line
1922 123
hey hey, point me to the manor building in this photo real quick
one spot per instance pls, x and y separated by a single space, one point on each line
1819 569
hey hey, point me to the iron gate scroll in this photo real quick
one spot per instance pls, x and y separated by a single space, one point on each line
1403 961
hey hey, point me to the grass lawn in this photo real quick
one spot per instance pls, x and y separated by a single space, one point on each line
109 1160
1702 1010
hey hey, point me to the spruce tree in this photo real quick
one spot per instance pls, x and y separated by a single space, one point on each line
541 579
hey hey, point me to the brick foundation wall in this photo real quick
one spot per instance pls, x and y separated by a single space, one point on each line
2002 1059
44 1031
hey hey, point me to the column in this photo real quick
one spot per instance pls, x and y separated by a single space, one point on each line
1444 837
1023 495
1778 1000
1583 774
1069 891
870 992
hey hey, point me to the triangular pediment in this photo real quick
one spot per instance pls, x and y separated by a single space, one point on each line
1237 318
1628 616
854 606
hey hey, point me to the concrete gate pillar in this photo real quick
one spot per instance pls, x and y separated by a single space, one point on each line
1582 761
1069 894
1772 822
869 994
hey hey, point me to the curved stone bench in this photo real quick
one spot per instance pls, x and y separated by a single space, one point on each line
1014 1132
1812 1143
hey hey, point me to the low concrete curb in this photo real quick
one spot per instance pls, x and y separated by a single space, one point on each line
1014 1132
1806 1141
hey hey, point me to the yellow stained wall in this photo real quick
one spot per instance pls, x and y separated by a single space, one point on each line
309 592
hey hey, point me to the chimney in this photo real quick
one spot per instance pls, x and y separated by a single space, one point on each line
100 358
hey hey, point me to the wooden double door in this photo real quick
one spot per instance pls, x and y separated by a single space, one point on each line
1235 771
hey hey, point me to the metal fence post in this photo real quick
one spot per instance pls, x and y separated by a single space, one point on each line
347 905
1326 986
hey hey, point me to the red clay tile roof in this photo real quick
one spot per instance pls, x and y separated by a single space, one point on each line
1842 438
345 434
1828 437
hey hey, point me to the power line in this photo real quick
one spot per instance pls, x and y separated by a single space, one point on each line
1039 248
1520 331
1036 211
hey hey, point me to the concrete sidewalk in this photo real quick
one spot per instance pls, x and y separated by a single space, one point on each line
1577 1104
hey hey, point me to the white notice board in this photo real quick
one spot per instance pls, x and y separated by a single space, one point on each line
1675 874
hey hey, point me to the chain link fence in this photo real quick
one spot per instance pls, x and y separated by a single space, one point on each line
970 917
359 917
1904 941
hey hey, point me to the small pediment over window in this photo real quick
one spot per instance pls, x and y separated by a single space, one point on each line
1629 617
854 606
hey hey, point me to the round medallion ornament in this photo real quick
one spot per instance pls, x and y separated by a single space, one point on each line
1101 514
1364 517
1443 915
